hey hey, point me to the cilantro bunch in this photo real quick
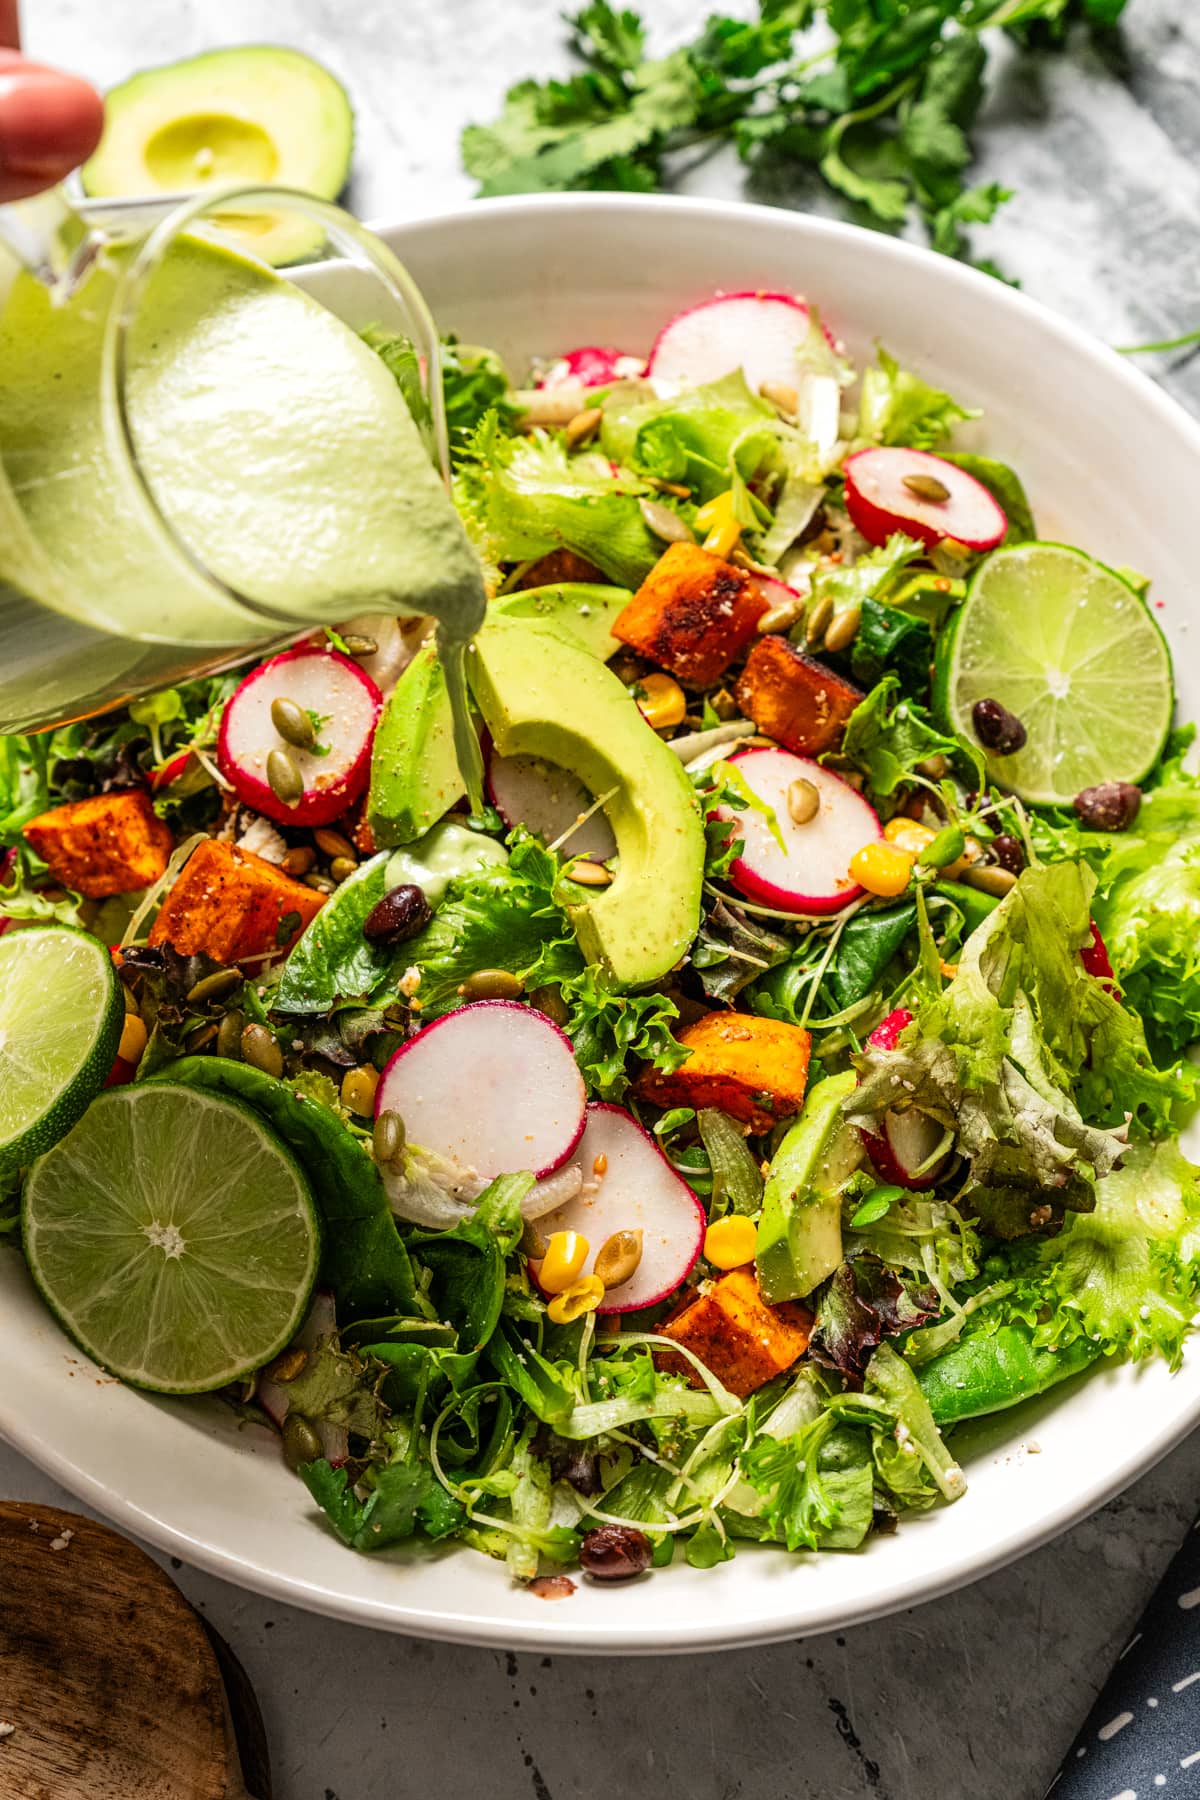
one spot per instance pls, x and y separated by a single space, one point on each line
878 100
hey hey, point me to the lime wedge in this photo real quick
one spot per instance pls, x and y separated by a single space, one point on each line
61 1014
173 1236
1072 650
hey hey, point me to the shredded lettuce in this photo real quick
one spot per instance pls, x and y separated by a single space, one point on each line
898 407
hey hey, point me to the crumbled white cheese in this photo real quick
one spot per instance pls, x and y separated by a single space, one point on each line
6 1730
261 839
410 981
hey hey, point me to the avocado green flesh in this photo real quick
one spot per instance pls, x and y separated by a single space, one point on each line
541 694
258 115
274 441
800 1232
414 772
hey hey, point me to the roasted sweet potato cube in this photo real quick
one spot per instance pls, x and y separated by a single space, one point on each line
556 566
754 1069
109 844
793 698
734 1332
692 615
231 905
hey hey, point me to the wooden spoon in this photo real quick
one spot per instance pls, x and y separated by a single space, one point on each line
111 1687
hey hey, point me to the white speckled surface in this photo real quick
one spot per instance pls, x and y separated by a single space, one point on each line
976 1697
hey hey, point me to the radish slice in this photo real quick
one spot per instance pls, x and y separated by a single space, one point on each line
548 800
630 1186
879 502
908 1138
762 334
1096 960
775 593
346 702
593 365
492 1088
811 874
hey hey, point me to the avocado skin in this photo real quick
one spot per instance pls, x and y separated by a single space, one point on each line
800 1232
414 771
542 694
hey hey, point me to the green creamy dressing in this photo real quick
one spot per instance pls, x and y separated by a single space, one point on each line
273 440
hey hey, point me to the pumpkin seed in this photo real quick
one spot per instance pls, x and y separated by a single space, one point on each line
803 801
284 777
358 645
320 884
229 1035
300 1442
358 1090
819 620
491 984
990 878
292 723
342 867
214 986
675 488
197 1039
261 1051
782 395
299 860
927 487
844 630
618 1257
334 844
782 617
533 1244
288 1364
388 1138
589 874
583 426
549 1001
665 523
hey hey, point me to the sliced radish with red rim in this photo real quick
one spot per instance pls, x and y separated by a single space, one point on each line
1095 958
761 334
548 800
883 496
628 1185
343 704
593 365
909 1137
811 872
492 1088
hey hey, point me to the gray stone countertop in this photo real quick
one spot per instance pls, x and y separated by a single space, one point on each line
977 1696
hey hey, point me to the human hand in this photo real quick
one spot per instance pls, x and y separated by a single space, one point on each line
49 124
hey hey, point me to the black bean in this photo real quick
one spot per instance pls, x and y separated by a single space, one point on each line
1008 853
996 728
398 916
615 1552
1110 806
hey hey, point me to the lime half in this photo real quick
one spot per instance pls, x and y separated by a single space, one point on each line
173 1236
1071 649
60 1023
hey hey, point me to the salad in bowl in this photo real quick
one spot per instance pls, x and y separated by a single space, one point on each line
783 1066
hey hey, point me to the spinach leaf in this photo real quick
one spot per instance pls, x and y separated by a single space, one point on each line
890 642
866 947
332 960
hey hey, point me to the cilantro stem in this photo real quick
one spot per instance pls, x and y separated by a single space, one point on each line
1185 342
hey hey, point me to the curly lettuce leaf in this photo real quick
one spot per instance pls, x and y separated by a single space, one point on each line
898 407
888 735
612 1030
525 496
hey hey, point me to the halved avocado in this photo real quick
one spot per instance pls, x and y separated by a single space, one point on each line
414 769
543 694
259 114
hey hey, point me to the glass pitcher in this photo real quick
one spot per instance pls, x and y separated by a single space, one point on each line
200 454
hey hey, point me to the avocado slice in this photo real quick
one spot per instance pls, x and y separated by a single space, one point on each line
542 694
260 114
800 1232
414 771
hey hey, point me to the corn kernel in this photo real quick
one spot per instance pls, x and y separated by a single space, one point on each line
133 1039
908 835
566 1253
581 1297
882 869
730 1242
662 702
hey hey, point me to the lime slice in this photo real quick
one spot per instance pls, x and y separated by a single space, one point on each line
1069 648
173 1236
61 1014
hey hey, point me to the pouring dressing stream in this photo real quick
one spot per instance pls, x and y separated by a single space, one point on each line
198 459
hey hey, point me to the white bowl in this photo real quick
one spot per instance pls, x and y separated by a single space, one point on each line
1111 464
